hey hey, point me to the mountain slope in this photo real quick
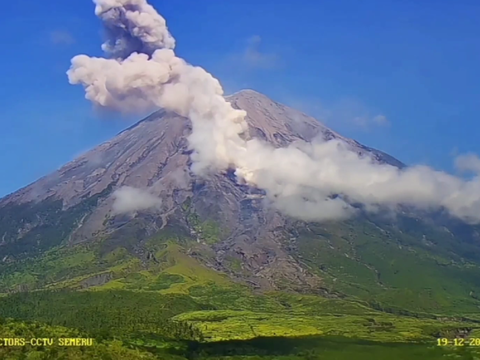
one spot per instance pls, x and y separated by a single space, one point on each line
61 230
154 153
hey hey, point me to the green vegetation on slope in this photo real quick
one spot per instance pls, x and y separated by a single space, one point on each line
58 264
152 325
163 303
44 224
389 270
100 349
273 348
98 312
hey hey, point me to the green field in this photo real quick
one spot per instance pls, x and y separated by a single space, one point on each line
387 291
176 308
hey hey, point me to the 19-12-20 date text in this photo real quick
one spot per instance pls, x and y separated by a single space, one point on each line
458 342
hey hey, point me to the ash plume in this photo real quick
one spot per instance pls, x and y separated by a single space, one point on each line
141 72
132 26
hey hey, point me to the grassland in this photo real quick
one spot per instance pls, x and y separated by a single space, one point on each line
392 271
171 306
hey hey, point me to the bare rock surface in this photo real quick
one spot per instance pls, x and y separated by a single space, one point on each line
153 154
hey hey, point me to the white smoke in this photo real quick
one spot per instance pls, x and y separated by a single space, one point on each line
315 181
303 177
129 199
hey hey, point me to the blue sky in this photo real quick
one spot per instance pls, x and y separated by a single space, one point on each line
402 76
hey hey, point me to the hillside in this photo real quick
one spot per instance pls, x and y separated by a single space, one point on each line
211 261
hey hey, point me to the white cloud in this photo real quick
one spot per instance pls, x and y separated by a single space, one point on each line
367 121
346 112
380 120
247 58
352 111
61 37
468 163
254 57
130 199
301 180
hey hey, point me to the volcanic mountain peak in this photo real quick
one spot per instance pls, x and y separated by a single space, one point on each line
228 222
280 125
272 121
142 154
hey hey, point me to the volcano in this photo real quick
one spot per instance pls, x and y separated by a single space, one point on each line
223 225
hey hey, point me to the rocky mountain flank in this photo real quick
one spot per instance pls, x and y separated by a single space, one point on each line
74 204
